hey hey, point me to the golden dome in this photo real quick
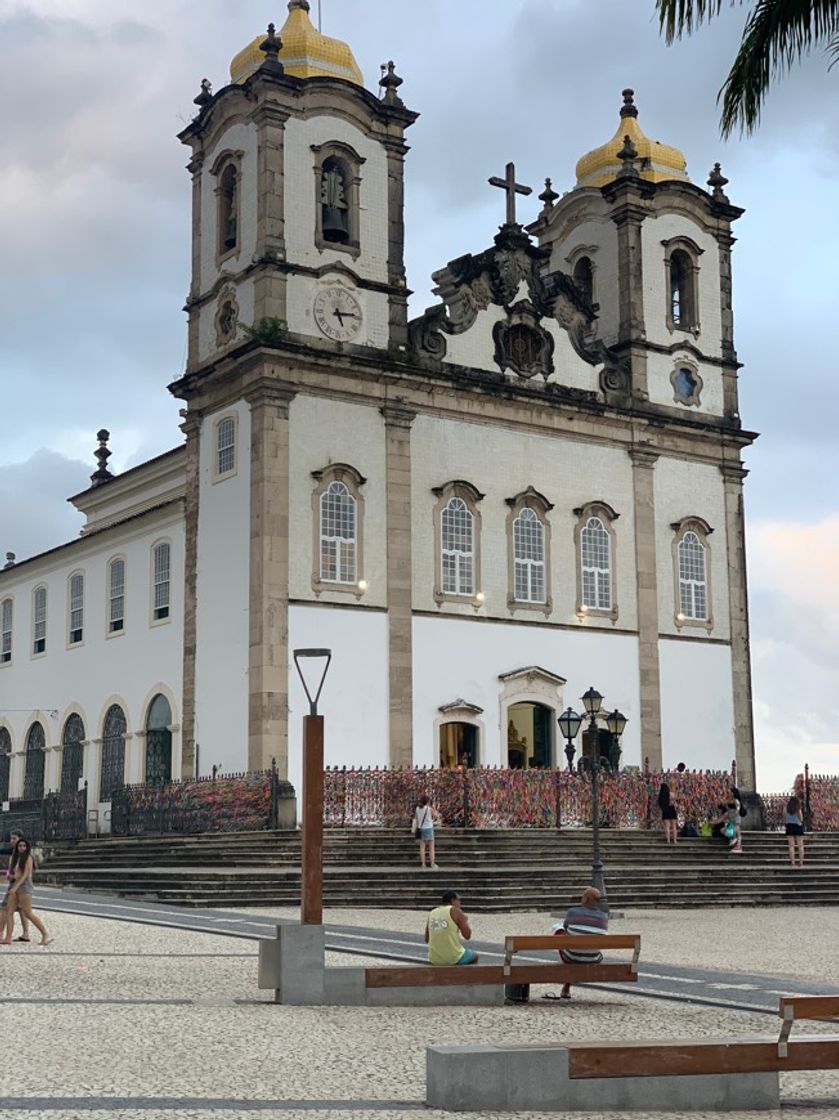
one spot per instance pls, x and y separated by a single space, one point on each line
305 53
656 162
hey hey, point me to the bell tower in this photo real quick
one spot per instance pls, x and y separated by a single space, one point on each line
297 173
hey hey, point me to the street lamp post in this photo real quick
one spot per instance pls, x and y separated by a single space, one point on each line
569 724
593 701
311 895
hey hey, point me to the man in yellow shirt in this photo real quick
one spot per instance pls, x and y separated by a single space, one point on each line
446 923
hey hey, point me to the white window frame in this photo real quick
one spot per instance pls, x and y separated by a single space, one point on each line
7 623
596 517
75 607
344 561
219 474
113 631
156 603
685 586
466 563
347 476
39 625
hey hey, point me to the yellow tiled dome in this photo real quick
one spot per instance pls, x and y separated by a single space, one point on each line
656 162
305 53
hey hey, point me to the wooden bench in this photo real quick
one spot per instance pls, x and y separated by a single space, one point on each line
537 972
690 1074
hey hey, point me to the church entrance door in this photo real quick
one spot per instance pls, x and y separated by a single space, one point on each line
159 742
529 736
458 745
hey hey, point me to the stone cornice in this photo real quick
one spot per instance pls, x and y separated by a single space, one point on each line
643 456
397 416
267 392
733 472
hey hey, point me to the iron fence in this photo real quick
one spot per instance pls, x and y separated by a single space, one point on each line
57 816
217 803
492 797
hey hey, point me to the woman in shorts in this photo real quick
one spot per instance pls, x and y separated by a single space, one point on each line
794 828
19 894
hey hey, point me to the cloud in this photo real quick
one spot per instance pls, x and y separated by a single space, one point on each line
34 512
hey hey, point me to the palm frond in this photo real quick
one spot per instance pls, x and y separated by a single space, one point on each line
777 34
679 17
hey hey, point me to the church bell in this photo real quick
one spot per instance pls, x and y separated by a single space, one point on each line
335 225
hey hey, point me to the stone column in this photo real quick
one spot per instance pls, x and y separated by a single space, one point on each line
643 463
195 167
138 759
269 286
192 429
398 423
628 214
93 763
733 474
396 241
268 606
725 241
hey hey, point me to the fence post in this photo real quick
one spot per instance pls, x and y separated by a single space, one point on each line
465 781
275 795
808 813
558 783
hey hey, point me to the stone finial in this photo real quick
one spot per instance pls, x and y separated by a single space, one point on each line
390 83
628 155
548 195
271 47
102 454
629 108
10 561
716 180
205 94
302 4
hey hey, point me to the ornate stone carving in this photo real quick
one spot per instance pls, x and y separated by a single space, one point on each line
522 345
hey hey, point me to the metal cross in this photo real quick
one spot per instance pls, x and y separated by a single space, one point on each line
509 184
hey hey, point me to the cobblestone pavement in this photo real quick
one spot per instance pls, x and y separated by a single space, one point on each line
132 1021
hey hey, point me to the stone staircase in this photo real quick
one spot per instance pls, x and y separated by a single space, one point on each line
494 870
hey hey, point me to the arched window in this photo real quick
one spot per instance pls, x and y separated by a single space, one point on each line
159 741
691 566
113 752
681 262
33 778
457 535
584 277
337 170
39 620
6 617
595 540
72 753
529 553
228 210
334 200
225 446
116 595
457 552
161 554
76 613
5 762
337 534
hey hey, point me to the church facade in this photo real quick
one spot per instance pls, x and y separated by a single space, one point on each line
533 487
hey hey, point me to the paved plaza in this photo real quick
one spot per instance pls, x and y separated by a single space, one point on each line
123 1019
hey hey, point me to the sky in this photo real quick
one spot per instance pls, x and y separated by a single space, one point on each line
95 225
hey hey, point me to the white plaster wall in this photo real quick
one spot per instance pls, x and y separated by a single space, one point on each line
660 386
457 658
697 722
300 296
322 432
300 196
501 463
354 702
687 489
242 137
600 241
223 581
128 667
663 228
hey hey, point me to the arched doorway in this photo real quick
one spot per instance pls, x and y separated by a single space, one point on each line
114 730
71 753
33 778
159 741
529 736
458 745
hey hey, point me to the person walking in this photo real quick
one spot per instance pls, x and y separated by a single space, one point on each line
585 920
19 893
445 926
794 828
423 829
14 836
669 816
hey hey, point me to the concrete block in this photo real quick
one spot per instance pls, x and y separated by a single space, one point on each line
466 995
495 1078
294 964
344 987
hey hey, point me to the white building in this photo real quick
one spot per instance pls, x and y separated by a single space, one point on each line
534 487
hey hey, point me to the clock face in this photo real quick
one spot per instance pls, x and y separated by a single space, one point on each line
338 314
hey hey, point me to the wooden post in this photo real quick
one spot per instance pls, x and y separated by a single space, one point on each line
311 900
